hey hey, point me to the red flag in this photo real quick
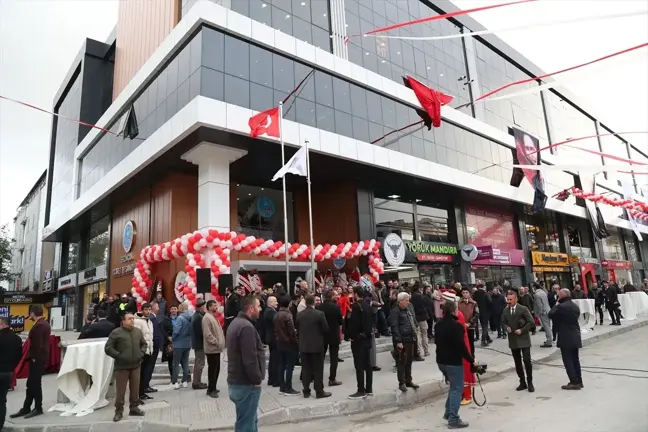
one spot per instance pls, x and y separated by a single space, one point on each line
431 100
266 122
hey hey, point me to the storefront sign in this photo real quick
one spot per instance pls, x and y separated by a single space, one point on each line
92 274
4 311
128 236
265 207
549 259
17 323
485 252
48 274
503 257
574 259
126 258
434 258
17 299
66 282
616 264
546 269
588 260
123 270
394 250
433 248
339 263
47 286
469 252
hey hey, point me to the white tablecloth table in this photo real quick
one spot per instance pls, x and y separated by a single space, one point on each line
633 304
84 378
588 314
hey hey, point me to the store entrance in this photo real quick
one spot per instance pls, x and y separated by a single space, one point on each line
91 293
563 279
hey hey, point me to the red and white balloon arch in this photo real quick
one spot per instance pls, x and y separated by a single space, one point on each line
210 248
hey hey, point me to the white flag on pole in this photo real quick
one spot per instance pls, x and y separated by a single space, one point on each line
296 165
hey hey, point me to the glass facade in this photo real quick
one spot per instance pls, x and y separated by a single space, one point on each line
491 228
440 64
580 239
410 220
260 212
542 231
67 138
615 146
613 245
566 122
524 112
98 242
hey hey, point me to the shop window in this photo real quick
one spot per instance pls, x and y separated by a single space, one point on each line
631 247
542 232
496 275
612 246
580 243
390 221
432 224
491 228
72 256
98 244
260 212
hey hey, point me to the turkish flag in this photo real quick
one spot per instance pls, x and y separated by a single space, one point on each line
431 100
266 122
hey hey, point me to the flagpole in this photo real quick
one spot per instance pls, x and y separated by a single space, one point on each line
310 218
285 205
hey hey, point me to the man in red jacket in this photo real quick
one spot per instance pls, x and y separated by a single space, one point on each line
39 340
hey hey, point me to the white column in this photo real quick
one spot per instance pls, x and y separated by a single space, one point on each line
213 163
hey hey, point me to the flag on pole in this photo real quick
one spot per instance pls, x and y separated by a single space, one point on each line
526 153
296 165
431 100
266 122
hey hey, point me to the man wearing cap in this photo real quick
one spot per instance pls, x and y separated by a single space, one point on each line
162 303
197 344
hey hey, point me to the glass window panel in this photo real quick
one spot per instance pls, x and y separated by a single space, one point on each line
361 129
241 6
282 20
374 107
270 223
261 97
305 112
323 89
341 95
321 38
358 101
261 70
343 124
260 11
325 118
389 113
211 86
237 91
301 9
237 58
283 71
319 14
393 218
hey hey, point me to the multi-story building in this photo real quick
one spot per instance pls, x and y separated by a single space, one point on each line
193 72
31 259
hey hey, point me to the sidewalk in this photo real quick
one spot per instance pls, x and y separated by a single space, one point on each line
185 409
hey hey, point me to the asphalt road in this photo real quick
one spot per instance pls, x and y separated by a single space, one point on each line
609 402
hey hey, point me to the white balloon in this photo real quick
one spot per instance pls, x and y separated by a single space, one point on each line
256 251
237 247
194 290
218 261
214 281
140 300
190 256
227 252
192 263
142 284
223 269
216 241
203 242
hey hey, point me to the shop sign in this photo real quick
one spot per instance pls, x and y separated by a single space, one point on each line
549 259
573 259
588 260
48 274
550 269
123 270
16 299
265 207
128 236
339 263
92 274
616 264
126 258
47 285
431 248
485 252
66 282
469 252
394 250
435 257
17 323
503 257
4 311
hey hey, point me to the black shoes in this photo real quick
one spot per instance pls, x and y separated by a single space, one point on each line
150 390
290 392
531 388
402 387
22 412
412 385
333 383
306 393
199 386
419 358
33 413
546 345
459 425
136 412
571 386
358 395
323 394
212 394
118 416
340 360
144 396
522 386
375 369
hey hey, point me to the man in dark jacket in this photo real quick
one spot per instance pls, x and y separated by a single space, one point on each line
246 364
287 348
11 349
450 353
359 328
157 319
197 345
332 337
428 303
268 333
578 293
518 322
403 330
101 328
233 306
484 303
311 329
127 346
421 320
497 309
565 317
612 304
597 295
39 341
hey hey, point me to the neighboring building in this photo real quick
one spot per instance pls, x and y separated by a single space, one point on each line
193 72
29 253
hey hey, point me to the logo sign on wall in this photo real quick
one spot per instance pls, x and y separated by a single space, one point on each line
4 311
265 207
394 250
179 284
339 263
128 236
469 252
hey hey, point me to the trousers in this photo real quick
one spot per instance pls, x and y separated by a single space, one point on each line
333 350
273 365
213 370
5 383
484 319
132 378
404 363
454 374
423 343
286 366
313 370
246 400
520 356
572 365
180 357
199 365
546 325
34 392
362 364
615 314
148 364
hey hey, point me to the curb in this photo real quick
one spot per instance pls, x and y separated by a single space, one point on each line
295 414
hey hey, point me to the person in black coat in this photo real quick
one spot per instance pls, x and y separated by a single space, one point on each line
485 304
270 339
595 293
359 329
498 306
428 303
565 316
11 348
332 337
232 306
101 328
421 316
612 304
311 328
403 329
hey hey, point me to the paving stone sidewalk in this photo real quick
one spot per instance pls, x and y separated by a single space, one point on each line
189 410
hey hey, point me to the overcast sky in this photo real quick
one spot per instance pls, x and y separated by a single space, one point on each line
40 38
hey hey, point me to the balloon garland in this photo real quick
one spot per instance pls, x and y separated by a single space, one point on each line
637 209
210 248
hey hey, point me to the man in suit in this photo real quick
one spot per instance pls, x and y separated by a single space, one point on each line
39 340
518 322
311 329
101 328
542 309
270 339
565 317
332 338
359 329
612 303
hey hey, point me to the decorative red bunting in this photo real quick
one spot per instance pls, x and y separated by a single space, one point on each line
637 208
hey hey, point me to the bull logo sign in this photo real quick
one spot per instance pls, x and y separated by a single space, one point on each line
394 250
